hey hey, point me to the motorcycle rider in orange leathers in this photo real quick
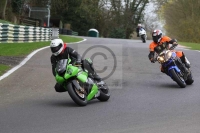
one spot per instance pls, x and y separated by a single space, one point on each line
159 39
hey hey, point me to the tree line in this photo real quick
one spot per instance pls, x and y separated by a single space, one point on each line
181 18
112 18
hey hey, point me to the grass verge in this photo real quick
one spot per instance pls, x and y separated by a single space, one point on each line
23 49
3 69
4 21
193 46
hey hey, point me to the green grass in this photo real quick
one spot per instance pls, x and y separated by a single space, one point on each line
70 39
193 46
20 49
3 69
4 21
23 49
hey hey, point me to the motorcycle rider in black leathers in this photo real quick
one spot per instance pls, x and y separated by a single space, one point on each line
60 51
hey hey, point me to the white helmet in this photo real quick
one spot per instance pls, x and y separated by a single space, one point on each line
157 35
56 46
139 25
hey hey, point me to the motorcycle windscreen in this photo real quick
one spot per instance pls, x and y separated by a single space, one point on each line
61 66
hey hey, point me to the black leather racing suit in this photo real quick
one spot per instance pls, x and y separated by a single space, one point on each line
67 52
64 55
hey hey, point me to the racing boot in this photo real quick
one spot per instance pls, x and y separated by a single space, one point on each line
183 68
92 73
96 77
186 71
185 61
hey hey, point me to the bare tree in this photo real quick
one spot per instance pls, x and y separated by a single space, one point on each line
181 18
127 14
3 5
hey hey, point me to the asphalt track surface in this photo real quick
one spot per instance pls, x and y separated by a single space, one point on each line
143 100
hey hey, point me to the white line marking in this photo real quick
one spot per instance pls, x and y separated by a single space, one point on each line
26 59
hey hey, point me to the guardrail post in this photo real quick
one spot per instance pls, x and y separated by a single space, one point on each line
55 33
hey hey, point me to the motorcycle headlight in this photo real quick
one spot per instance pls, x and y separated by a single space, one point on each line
161 59
168 55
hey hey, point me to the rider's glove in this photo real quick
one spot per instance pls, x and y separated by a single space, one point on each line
152 60
78 62
173 46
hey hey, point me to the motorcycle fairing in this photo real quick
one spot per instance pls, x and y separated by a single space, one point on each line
61 66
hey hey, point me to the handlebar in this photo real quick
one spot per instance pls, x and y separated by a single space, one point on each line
78 65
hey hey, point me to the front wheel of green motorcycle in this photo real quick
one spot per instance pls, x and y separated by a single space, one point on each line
77 96
104 94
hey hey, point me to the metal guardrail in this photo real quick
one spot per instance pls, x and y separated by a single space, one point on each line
74 33
68 32
55 33
16 33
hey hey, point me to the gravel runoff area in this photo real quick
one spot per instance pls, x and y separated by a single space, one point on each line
10 60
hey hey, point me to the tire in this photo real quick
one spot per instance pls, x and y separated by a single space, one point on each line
143 38
189 80
104 94
75 97
179 80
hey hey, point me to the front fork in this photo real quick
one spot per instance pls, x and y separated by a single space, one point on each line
177 66
170 65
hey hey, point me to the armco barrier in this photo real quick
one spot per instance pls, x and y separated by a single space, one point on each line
67 32
16 33
74 33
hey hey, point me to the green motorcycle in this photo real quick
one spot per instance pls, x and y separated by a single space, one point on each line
77 80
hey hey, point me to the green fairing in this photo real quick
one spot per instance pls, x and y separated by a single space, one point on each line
93 92
59 79
71 71
82 76
69 60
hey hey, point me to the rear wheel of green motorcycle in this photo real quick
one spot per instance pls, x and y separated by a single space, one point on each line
104 94
177 78
76 96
